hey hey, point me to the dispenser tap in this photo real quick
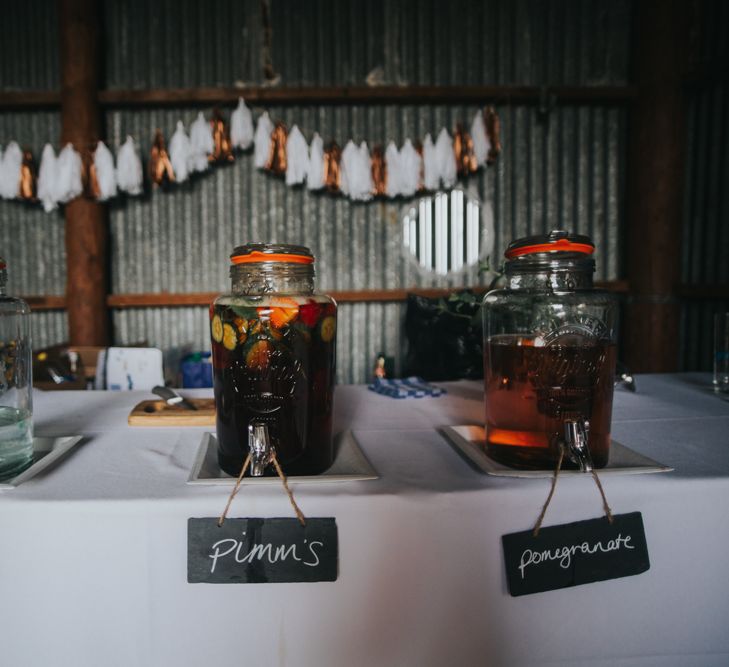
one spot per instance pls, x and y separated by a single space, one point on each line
259 445
576 439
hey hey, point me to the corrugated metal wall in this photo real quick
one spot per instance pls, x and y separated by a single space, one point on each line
706 203
563 168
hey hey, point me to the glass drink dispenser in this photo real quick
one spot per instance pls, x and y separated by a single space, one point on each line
549 356
273 342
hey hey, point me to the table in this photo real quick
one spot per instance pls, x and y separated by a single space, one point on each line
93 553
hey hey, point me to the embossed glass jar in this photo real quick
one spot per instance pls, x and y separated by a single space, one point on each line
549 356
274 350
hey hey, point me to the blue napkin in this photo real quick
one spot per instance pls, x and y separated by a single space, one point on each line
412 387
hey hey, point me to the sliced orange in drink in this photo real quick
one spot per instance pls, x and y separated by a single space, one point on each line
259 354
283 311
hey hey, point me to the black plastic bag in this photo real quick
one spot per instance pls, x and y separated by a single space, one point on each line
444 337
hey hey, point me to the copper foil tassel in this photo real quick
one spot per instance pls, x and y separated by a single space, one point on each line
493 132
466 162
160 167
421 178
276 162
89 177
332 167
379 172
222 149
27 189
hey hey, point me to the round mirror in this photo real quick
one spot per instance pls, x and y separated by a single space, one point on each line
445 231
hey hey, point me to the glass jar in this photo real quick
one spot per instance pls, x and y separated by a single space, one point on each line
549 356
16 383
274 344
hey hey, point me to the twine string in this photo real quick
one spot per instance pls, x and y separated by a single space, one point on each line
235 490
605 506
299 514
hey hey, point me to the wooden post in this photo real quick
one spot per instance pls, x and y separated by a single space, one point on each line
86 224
657 137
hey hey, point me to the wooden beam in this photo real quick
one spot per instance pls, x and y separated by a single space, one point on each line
655 184
171 299
86 226
335 95
369 95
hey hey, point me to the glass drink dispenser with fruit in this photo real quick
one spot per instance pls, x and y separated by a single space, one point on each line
549 356
273 342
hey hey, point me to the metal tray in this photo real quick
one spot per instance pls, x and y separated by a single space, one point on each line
350 464
470 441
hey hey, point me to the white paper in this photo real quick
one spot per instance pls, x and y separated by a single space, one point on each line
410 165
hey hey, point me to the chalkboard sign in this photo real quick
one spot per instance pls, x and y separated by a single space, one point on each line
254 551
575 553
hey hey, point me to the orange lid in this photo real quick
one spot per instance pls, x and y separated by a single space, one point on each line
555 241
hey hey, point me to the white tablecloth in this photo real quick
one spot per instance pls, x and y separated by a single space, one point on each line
93 552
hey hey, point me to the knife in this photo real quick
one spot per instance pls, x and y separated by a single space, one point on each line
171 397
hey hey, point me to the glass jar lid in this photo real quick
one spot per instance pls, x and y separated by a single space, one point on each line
557 241
255 253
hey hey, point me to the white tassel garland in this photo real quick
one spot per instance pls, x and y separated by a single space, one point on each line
431 175
481 143
241 126
129 169
105 172
47 176
68 183
201 144
315 169
10 164
297 157
394 171
262 140
410 163
181 153
446 159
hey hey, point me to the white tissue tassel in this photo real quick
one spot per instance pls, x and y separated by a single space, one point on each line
241 126
201 144
297 157
47 175
262 140
445 158
315 169
481 143
10 164
180 153
356 182
68 183
410 163
129 169
431 175
394 171
105 172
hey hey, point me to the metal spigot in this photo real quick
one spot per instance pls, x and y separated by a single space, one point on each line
259 445
576 440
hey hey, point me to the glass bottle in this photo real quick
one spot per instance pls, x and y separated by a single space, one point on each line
16 383
549 356
273 343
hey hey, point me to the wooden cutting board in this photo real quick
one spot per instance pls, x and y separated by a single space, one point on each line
158 413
